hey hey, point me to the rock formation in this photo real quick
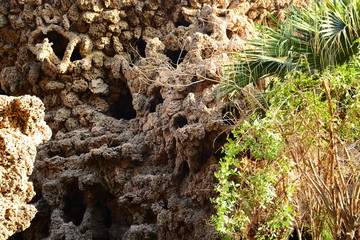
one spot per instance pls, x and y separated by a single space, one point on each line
130 93
22 128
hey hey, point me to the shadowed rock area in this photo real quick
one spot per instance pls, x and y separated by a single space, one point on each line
130 94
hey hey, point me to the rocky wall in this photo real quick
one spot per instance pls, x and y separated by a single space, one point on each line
22 129
130 94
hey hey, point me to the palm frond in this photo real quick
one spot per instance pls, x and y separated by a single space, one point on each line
323 34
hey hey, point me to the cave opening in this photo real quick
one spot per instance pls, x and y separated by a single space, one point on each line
141 46
16 236
121 106
74 209
176 56
183 171
3 92
75 55
107 217
208 31
180 121
182 22
229 33
155 100
37 197
185 167
101 212
150 217
222 14
59 42
219 141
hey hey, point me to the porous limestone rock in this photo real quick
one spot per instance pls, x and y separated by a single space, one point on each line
130 92
22 129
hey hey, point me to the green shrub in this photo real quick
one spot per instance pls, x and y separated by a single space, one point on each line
297 167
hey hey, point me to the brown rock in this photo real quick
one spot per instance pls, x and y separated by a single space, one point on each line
22 129
130 92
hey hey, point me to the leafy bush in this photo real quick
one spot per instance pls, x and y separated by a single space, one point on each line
297 168
249 203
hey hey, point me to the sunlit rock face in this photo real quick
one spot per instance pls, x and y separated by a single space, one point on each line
130 94
22 129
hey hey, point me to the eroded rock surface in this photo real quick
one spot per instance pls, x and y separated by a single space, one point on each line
129 88
22 129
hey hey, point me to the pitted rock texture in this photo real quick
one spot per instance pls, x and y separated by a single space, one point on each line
22 129
130 92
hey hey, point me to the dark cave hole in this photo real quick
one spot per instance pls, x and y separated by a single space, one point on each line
59 42
100 211
3 93
182 173
180 121
17 236
182 22
222 14
230 114
141 46
122 107
76 54
208 31
107 217
219 142
229 33
151 217
74 204
45 227
109 51
37 197
198 160
176 57
155 100
185 169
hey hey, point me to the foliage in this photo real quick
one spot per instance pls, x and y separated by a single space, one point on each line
309 40
249 203
297 167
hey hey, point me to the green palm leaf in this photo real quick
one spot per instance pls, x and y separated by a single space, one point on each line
310 39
